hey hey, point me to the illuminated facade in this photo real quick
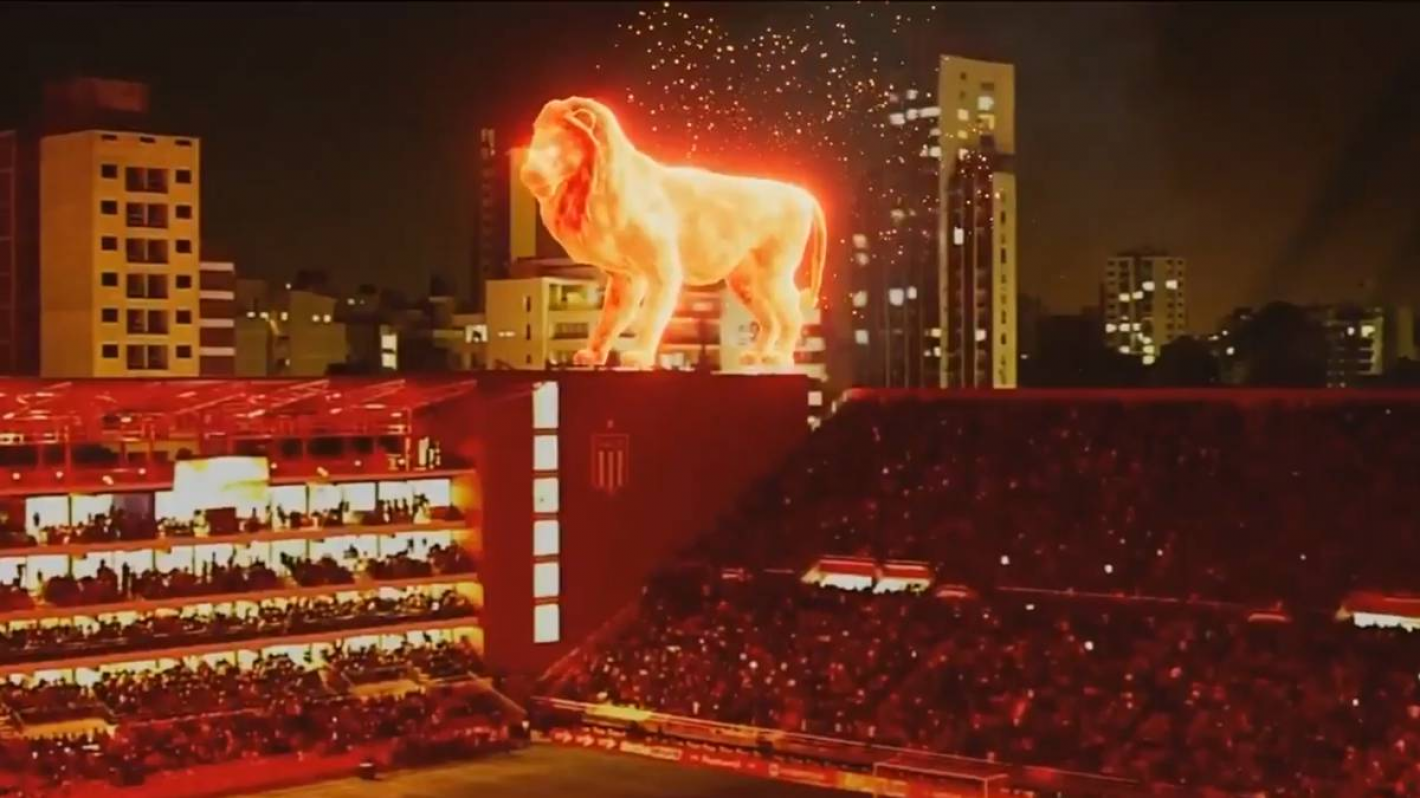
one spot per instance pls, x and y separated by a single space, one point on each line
1144 297
118 242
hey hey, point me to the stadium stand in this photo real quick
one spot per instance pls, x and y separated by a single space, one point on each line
1109 557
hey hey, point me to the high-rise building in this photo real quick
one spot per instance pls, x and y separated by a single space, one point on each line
118 249
19 252
976 242
934 251
1144 297
490 252
894 252
67 106
1362 343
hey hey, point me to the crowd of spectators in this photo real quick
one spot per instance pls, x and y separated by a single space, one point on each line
1067 519
109 586
1202 698
165 630
121 525
184 717
1297 499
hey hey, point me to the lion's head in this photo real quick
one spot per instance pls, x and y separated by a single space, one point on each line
574 143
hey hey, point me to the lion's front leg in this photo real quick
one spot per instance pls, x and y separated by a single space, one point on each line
623 297
661 297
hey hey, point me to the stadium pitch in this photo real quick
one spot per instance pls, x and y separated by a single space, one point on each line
546 770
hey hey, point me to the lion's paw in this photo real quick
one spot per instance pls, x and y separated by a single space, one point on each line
775 359
588 357
638 359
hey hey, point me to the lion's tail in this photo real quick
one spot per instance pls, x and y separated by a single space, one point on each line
817 254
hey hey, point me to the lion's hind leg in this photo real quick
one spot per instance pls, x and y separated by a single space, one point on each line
752 293
784 300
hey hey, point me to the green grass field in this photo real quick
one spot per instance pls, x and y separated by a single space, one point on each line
543 771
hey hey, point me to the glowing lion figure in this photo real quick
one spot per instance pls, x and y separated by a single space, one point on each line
655 228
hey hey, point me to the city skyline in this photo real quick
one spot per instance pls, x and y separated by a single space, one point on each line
1213 132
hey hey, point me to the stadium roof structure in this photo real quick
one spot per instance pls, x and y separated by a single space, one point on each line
79 411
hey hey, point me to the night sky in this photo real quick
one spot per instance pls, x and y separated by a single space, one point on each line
1275 146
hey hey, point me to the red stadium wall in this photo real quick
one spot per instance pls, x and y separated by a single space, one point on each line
686 446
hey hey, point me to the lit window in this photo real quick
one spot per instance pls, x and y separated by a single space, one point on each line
1367 330
545 498
958 236
1123 350
1148 360
985 102
815 398
980 335
1138 294
1110 327
545 406
895 296
545 453
546 580
1231 351
860 299
912 292
963 114
1123 296
860 258
896 118
547 622
860 241
1171 285
547 537
1148 285
930 112
861 337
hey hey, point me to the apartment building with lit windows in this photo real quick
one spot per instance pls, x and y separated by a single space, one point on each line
1144 297
977 254
118 249
933 253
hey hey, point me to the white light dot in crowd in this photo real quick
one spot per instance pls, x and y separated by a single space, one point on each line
1304 557
1089 645
1109 569
1031 608
1005 560
1355 702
